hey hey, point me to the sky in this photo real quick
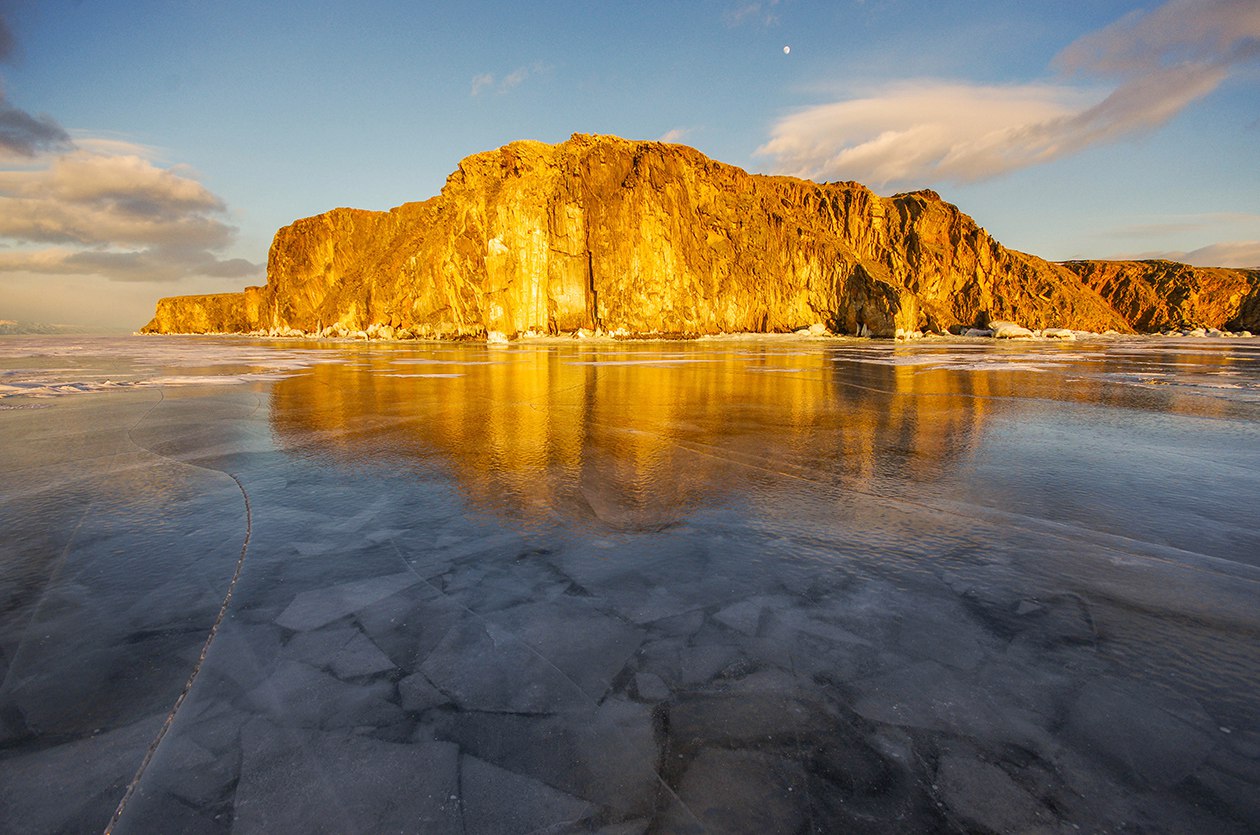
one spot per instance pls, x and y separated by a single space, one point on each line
150 149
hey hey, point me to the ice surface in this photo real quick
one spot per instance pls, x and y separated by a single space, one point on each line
606 754
741 791
74 786
313 609
1160 738
733 585
496 800
343 782
485 668
983 795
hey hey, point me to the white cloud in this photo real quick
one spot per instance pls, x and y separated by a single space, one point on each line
108 209
674 135
481 82
918 130
513 79
954 130
489 81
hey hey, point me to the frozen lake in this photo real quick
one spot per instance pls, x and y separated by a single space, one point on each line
777 585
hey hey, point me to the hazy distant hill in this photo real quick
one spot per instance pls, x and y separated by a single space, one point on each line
10 327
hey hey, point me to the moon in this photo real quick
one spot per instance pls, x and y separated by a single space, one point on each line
786 50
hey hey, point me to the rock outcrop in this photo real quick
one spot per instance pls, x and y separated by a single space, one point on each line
1159 295
600 233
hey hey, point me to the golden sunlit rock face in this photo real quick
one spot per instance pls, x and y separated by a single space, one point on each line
600 233
1155 295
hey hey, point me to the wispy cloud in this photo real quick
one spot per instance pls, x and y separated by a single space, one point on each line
487 81
155 264
674 135
1151 230
513 79
1127 78
1166 225
752 12
108 209
23 135
482 81
1179 33
1223 254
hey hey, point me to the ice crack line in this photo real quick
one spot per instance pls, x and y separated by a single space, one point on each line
205 650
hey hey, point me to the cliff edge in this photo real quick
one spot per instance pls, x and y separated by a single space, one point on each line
601 233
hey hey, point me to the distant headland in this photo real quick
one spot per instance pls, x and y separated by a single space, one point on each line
603 235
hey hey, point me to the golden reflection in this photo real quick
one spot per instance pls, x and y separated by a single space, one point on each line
633 436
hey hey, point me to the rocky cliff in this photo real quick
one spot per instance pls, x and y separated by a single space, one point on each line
599 233
1157 295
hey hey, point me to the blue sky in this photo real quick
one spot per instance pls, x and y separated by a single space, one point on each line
153 148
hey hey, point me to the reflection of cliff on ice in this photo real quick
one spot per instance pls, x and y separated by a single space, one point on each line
634 439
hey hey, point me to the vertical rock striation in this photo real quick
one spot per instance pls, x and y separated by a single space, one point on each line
600 233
